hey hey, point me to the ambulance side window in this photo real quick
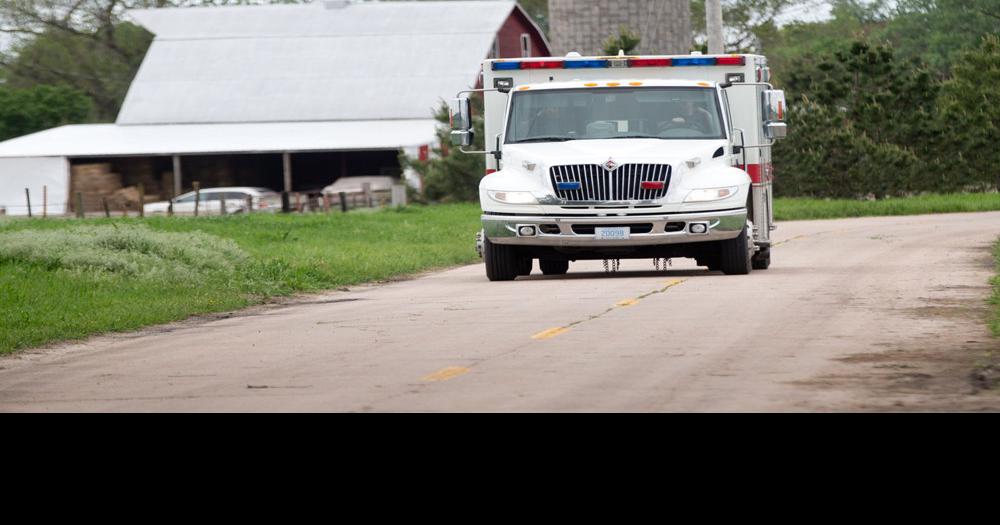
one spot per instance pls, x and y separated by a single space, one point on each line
729 116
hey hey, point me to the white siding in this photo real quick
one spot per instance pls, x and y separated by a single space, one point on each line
34 173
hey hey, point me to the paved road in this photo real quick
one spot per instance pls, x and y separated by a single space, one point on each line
857 314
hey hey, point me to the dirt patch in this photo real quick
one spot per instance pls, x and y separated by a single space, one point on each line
986 377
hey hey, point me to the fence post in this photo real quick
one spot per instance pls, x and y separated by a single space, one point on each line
298 202
366 188
343 201
285 205
249 203
142 200
398 195
45 201
27 196
107 210
79 205
222 203
326 203
197 196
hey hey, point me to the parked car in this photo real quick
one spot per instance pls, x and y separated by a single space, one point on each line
211 201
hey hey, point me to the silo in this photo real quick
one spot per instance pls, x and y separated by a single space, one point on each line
583 25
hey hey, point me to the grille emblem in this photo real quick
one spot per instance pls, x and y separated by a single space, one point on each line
610 165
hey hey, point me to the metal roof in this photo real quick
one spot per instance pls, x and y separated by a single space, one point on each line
108 140
314 62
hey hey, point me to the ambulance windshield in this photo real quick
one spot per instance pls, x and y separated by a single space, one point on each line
614 113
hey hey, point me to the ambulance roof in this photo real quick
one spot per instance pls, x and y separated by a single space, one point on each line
614 83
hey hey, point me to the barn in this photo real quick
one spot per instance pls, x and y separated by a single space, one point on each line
289 97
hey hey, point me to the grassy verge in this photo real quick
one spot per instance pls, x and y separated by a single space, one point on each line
67 279
793 209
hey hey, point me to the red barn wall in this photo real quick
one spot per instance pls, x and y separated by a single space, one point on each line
510 37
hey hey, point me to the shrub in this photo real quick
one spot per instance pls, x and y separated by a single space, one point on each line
127 250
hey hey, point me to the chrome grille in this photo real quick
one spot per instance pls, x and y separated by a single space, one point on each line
599 184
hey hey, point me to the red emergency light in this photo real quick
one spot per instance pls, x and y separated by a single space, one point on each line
545 64
649 62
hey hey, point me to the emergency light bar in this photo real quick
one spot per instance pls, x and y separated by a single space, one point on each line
507 65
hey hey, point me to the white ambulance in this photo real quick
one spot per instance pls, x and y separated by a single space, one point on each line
625 157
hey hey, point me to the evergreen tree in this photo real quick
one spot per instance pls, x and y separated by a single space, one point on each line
971 113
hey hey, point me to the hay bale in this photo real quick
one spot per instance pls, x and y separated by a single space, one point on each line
125 198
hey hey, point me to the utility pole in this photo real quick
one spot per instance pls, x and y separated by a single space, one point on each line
713 17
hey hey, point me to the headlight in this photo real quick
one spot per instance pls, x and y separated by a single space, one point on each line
513 197
711 194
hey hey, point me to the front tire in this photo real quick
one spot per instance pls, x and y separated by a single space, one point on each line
553 267
502 262
735 255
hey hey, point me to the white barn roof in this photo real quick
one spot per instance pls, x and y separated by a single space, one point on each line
109 140
284 63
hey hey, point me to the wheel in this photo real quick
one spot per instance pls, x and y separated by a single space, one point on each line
524 266
762 259
711 262
502 262
735 255
553 267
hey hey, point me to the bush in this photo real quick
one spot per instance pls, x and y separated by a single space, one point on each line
827 157
451 176
971 112
128 250
24 111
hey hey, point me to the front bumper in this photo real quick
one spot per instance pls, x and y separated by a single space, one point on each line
567 230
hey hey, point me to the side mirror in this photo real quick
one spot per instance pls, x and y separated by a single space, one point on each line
773 108
774 105
463 138
460 114
775 130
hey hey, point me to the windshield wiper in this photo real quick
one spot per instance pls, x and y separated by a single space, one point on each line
544 139
636 137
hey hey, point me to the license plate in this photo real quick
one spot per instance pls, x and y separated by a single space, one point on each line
611 234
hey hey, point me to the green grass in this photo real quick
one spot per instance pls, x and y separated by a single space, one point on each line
794 209
67 279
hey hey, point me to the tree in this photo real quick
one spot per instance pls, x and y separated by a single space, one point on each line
826 156
626 41
744 22
859 108
971 112
940 31
24 111
451 175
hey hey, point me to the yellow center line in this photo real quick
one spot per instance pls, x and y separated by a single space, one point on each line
551 332
446 373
